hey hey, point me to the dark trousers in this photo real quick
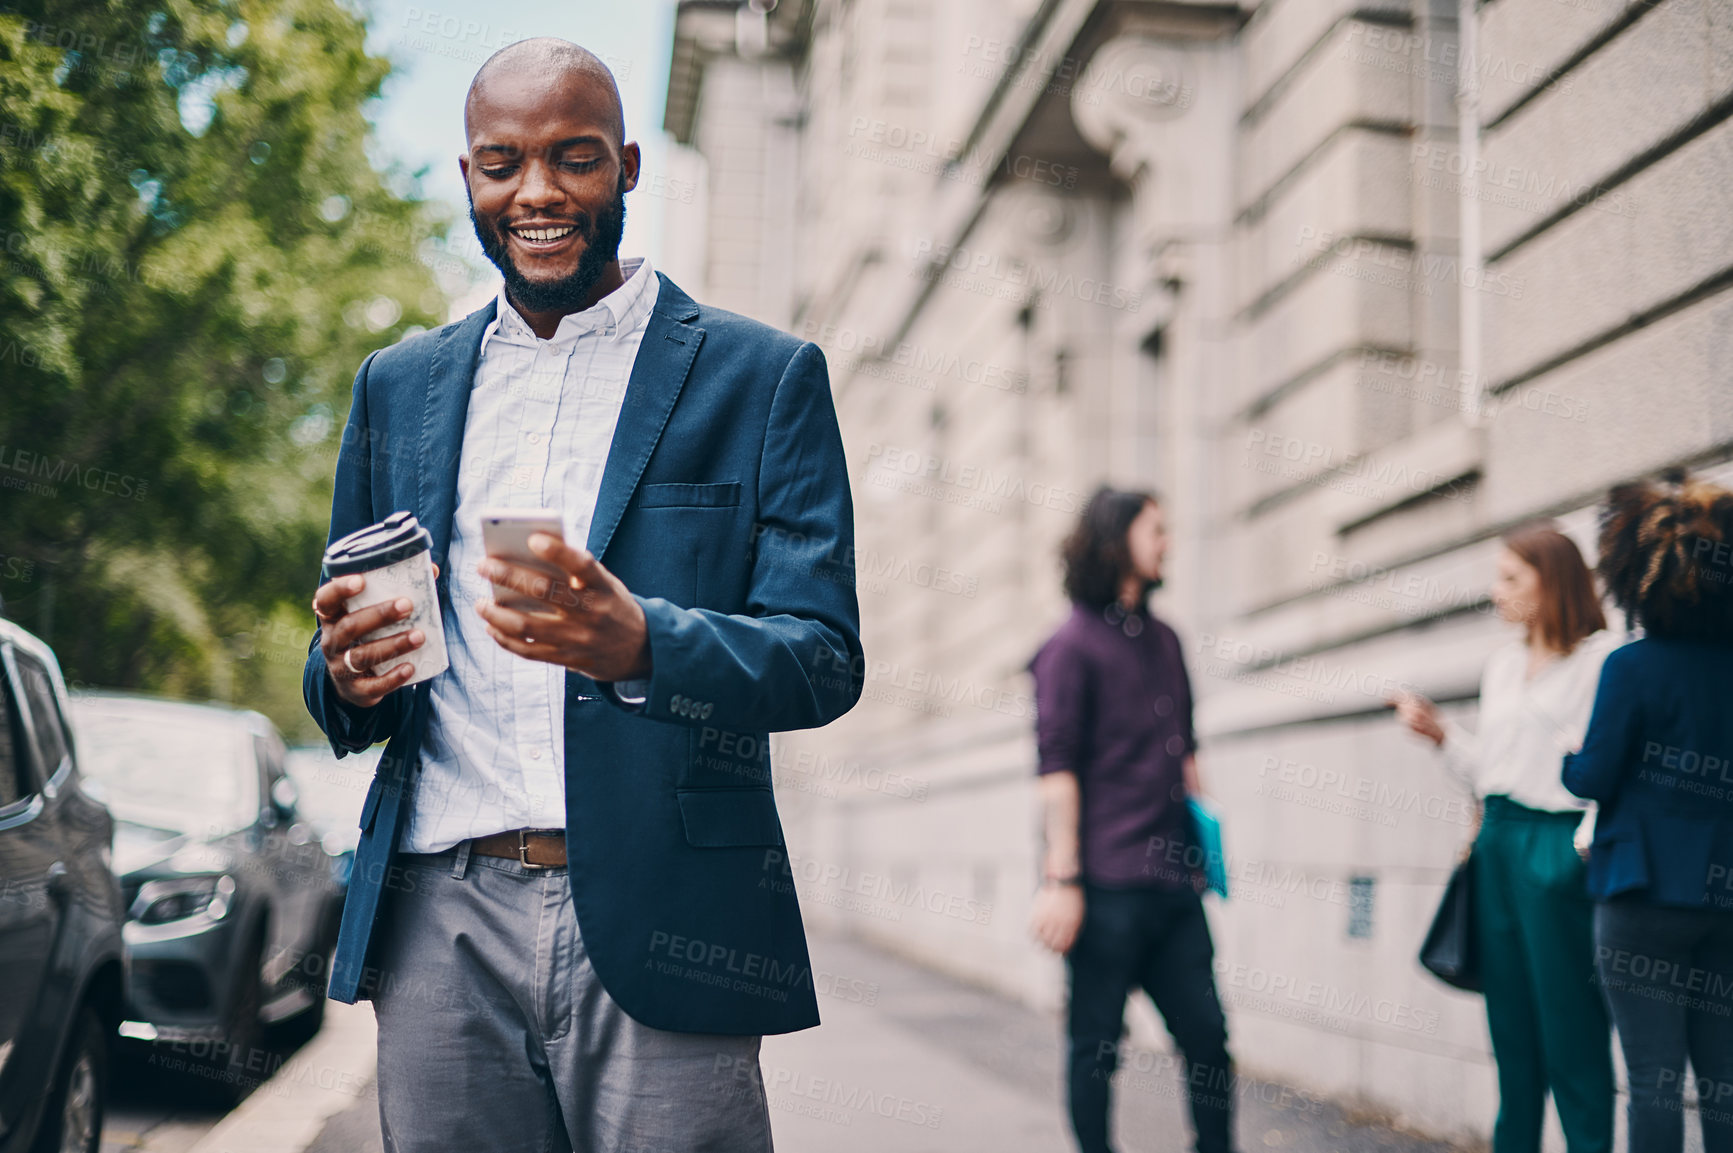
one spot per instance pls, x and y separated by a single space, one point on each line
1158 941
1668 977
1548 1023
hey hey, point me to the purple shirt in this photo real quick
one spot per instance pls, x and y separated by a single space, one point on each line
1113 706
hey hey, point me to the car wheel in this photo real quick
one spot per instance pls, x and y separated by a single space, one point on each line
305 1025
245 1034
313 975
73 1120
235 1064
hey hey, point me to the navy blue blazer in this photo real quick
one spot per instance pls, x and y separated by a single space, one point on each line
1659 759
725 508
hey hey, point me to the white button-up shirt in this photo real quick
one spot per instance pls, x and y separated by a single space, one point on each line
1527 725
541 420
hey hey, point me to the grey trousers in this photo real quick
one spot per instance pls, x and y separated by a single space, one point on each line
495 1034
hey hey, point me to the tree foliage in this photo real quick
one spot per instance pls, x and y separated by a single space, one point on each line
198 255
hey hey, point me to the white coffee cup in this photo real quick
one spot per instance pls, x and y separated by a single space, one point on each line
395 556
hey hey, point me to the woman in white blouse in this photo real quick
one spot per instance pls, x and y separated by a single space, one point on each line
1534 917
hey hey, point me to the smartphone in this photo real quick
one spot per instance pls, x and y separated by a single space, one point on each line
505 533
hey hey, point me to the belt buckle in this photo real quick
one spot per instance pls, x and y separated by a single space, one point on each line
523 852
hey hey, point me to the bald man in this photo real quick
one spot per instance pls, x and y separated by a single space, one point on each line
571 904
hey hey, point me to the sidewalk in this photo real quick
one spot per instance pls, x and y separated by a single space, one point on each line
331 1076
908 1061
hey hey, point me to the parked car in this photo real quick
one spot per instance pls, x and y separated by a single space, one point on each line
61 958
332 794
228 892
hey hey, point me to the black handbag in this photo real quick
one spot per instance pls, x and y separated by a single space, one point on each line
1450 952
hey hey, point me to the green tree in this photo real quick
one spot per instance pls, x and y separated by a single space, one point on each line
198 255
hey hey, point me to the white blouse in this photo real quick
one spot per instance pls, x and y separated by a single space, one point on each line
1527 726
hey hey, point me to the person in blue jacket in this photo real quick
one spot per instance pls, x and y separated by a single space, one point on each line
572 904
1658 757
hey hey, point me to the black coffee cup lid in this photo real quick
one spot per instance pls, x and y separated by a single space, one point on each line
397 537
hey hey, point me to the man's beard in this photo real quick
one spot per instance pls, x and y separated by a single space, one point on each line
568 294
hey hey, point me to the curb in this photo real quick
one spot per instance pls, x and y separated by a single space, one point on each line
329 1074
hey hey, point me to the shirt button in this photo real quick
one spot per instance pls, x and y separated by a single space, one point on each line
534 438
535 754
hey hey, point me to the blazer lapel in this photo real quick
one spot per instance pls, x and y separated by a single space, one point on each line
659 373
450 376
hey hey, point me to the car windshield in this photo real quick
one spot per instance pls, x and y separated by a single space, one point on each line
168 766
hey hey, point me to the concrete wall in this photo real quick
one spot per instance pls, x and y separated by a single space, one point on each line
1247 294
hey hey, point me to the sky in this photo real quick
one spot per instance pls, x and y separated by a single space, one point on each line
436 49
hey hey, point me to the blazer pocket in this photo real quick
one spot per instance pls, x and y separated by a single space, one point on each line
723 495
1626 866
729 818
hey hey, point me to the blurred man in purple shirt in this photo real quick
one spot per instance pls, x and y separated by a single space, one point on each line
1120 898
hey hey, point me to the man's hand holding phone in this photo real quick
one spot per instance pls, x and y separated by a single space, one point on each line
557 604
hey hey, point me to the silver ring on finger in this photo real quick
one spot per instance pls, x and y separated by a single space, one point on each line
349 661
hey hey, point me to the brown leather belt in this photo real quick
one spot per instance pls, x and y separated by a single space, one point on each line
531 848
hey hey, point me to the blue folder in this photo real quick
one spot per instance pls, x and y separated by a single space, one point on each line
1207 829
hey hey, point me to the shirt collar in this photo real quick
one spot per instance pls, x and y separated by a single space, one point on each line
620 312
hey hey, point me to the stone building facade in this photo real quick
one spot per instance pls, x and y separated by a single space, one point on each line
1251 256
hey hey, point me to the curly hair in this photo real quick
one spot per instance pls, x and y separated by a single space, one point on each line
1667 556
1095 555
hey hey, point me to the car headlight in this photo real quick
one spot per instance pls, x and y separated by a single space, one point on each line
176 898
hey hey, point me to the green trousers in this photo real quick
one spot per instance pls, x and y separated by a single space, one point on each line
1537 958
